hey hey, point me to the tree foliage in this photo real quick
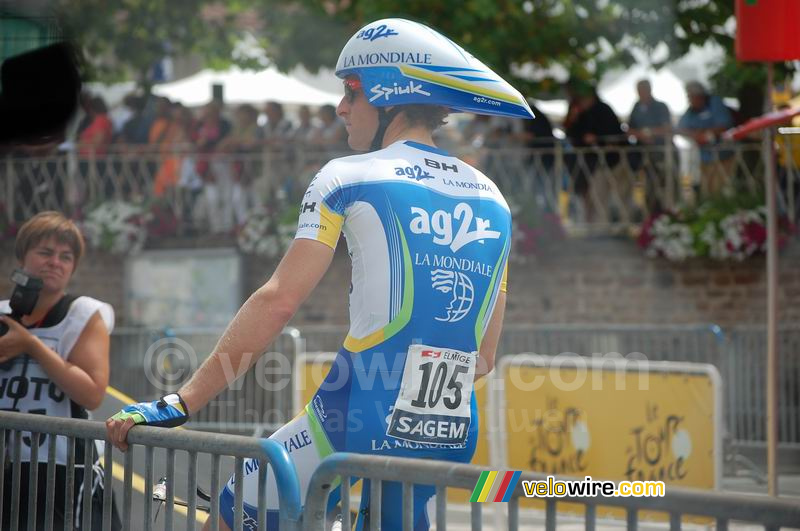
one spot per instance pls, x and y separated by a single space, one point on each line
581 38
126 38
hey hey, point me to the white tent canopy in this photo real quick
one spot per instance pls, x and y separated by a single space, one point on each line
241 86
618 90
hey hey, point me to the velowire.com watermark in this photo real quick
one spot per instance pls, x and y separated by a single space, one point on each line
553 488
498 486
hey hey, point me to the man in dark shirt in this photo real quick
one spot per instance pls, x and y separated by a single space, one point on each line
594 125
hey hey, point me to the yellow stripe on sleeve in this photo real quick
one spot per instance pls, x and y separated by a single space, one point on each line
330 226
504 280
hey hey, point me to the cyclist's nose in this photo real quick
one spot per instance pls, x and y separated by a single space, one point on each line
343 107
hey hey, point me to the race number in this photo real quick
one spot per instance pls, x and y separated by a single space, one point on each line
433 405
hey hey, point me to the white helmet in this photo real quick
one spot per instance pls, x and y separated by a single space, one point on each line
400 62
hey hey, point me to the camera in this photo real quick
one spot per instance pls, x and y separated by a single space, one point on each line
24 297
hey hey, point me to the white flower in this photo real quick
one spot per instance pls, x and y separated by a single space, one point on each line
671 239
261 236
117 227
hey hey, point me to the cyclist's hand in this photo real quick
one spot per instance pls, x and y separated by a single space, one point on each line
168 412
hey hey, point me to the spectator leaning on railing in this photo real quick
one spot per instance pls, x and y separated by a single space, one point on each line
239 147
593 123
173 143
95 138
704 121
650 125
277 132
330 134
650 122
305 126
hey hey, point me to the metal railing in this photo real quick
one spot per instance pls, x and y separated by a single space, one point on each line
746 379
600 188
260 404
677 502
194 444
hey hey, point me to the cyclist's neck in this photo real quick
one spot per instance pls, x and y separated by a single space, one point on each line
400 130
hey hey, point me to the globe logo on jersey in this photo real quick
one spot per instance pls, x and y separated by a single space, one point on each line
462 293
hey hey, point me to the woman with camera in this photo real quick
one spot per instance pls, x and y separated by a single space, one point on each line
54 361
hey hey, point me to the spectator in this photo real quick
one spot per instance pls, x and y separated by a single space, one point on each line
163 116
136 128
212 127
63 346
243 139
704 121
331 134
593 124
95 138
243 136
302 133
175 141
84 117
650 125
93 143
596 124
278 130
215 171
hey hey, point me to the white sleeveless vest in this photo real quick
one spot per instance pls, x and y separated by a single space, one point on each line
26 388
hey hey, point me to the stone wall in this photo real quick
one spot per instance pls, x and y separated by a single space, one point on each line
599 280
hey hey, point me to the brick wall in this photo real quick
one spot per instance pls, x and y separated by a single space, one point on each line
577 281
611 281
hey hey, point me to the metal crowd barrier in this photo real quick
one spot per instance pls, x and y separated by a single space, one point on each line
677 502
609 188
194 444
745 382
253 407
694 343
258 402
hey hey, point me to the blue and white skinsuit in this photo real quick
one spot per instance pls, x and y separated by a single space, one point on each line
429 237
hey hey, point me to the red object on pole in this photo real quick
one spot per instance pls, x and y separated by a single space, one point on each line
767 30
760 122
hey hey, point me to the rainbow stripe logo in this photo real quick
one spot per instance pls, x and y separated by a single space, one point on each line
495 486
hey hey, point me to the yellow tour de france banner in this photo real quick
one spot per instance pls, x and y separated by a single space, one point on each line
310 371
610 420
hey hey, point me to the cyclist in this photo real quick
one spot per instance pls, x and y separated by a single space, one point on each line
428 237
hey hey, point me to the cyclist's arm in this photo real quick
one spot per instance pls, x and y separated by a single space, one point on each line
491 338
259 321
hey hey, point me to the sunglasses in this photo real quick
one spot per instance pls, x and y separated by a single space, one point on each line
352 86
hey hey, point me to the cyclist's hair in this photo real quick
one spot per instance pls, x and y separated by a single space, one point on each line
429 116
45 225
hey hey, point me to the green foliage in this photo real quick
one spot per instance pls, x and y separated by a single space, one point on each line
125 38
708 216
583 37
